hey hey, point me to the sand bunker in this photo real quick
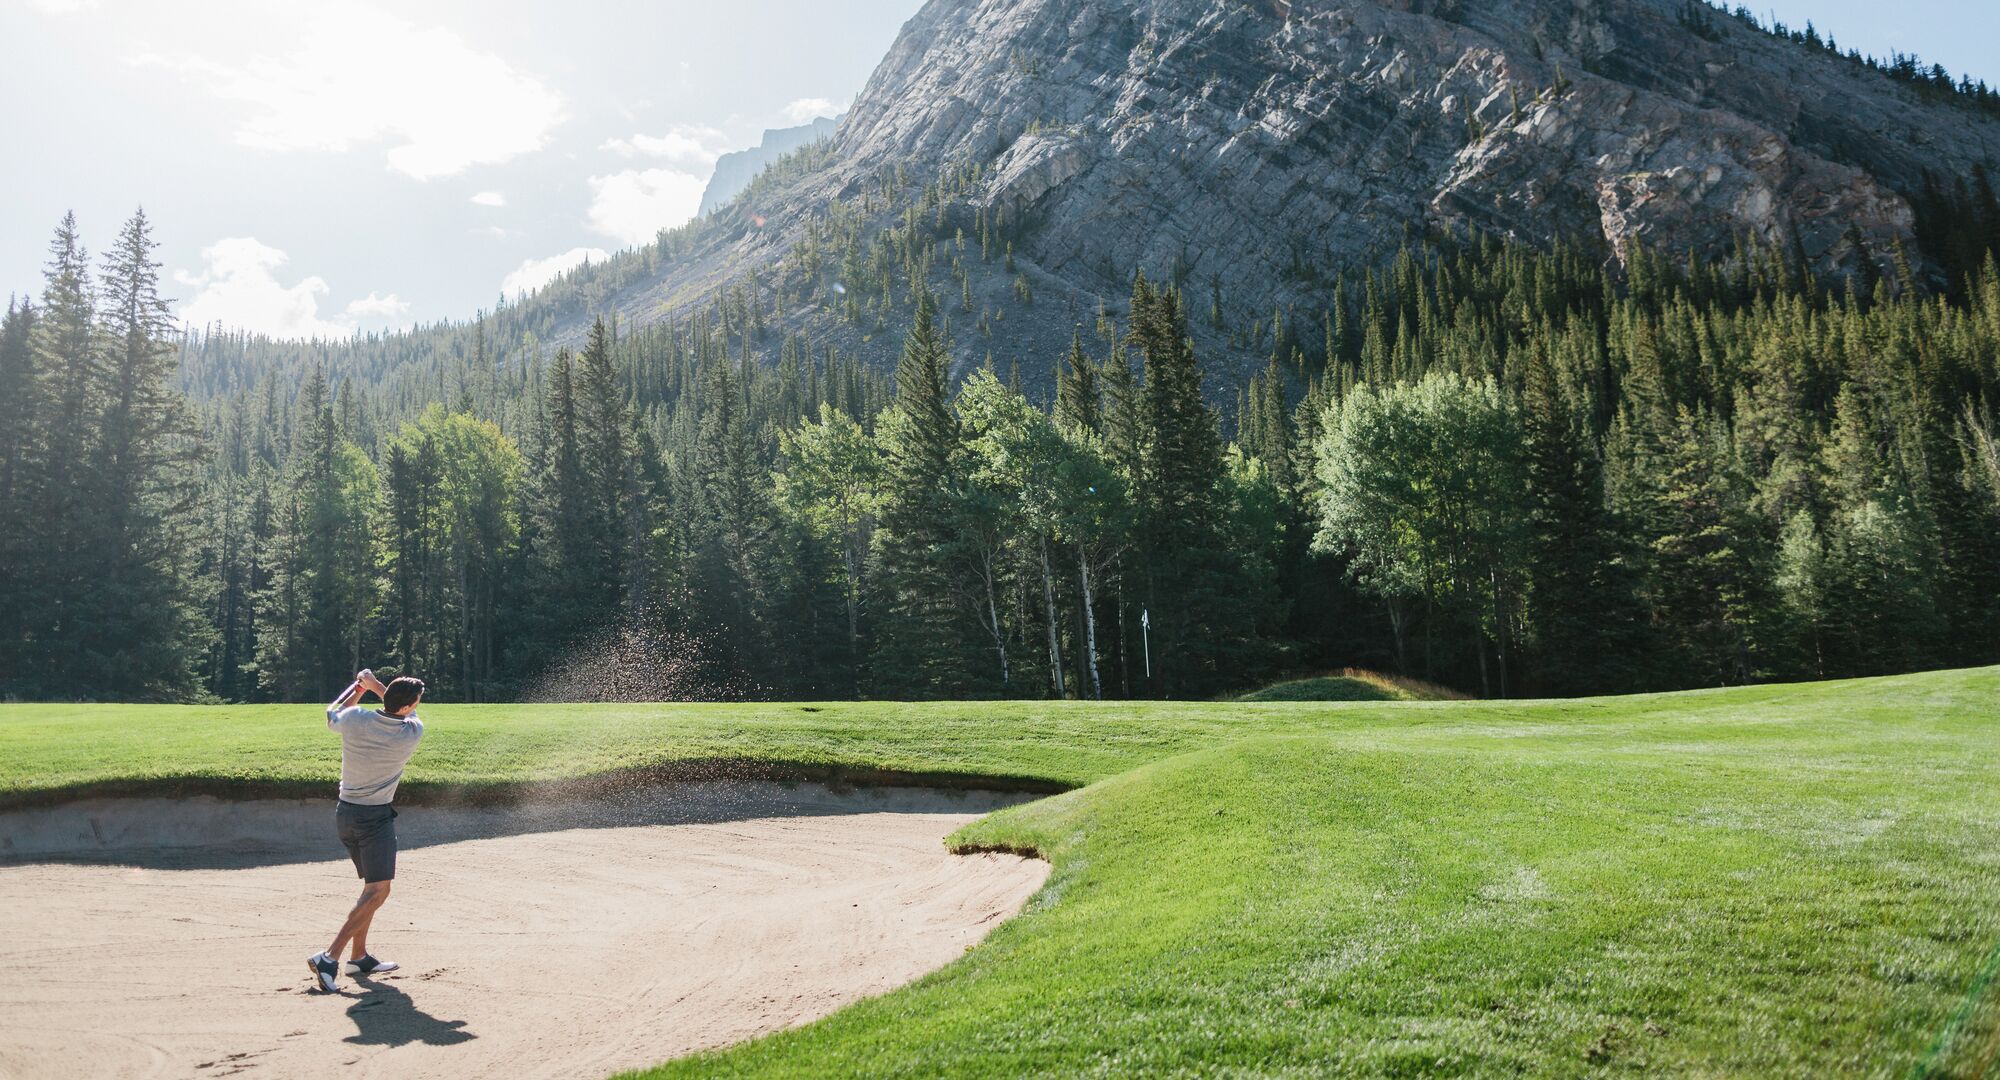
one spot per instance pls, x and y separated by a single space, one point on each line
153 937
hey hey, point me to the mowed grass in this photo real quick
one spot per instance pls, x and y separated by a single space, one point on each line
1353 684
1787 880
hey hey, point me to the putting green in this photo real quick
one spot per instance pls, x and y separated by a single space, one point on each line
1783 880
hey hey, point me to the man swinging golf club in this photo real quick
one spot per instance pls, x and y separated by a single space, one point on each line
374 747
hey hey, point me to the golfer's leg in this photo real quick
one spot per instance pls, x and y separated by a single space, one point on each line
359 948
379 856
372 896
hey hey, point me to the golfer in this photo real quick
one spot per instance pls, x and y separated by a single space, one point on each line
374 747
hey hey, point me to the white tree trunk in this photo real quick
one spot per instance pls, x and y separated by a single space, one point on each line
1089 624
993 619
1049 600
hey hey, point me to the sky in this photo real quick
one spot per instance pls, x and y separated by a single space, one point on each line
314 169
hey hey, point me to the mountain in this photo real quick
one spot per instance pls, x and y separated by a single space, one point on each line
735 170
1252 151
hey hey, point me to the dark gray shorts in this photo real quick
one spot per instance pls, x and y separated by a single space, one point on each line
369 832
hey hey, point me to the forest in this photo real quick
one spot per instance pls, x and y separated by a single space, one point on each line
1508 470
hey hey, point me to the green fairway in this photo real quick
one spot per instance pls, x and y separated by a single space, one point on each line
1783 880
1353 684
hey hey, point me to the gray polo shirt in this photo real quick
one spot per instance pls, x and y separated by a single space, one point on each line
373 750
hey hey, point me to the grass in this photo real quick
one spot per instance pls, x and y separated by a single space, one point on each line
1788 880
1354 684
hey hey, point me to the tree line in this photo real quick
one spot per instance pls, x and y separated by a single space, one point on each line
1930 80
1508 470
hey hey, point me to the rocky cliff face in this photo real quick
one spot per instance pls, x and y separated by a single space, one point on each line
1252 149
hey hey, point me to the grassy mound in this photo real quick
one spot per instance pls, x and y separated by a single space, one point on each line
1354 684
1791 880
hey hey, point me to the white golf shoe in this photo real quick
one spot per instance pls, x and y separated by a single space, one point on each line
368 965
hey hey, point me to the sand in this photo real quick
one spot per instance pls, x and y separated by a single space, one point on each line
168 938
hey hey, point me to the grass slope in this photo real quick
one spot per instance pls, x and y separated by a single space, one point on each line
1353 684
1797 880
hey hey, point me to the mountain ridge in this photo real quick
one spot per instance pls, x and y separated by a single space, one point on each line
1020 161
735 170
1256 150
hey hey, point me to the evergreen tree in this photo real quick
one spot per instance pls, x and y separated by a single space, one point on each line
1583 609
729 584
20 387
1202 634
1711 599
610 483
1272 441
1078 404
572 582
1801 586
237 507
923 646
62 523
1959 543
145 631
667 482
415 555
316 613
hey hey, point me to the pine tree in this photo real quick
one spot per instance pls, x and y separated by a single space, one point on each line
569 583
315 615
1711 570
1078 405
1960 541
603 425
63 524
147 630
415 559
237 530
1583 606
1273 442
923 646
1801 584
20 387
1201 633
730 586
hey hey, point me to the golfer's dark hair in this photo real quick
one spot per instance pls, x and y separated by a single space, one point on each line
401 692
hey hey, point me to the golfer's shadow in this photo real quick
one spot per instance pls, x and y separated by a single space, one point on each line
388 1017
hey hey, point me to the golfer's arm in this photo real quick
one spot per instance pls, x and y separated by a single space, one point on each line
347 698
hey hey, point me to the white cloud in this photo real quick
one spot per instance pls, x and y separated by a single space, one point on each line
689 147
636 204
239 288
489 198
65 7
386 308
359 75
532 274
807 109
